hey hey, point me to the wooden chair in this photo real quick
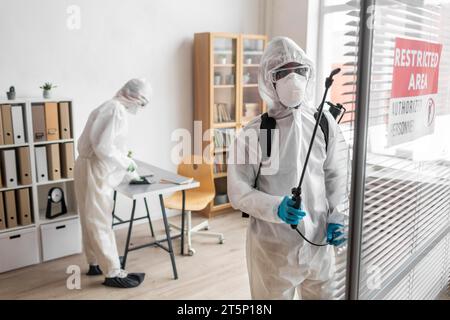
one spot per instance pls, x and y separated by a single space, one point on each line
196 199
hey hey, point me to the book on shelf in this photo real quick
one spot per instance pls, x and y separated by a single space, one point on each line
220 164
223 138
221 113
220 168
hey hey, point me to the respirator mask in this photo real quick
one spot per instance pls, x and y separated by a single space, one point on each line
291 84
138 105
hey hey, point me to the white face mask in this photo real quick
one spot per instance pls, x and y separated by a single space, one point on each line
292 90
133 109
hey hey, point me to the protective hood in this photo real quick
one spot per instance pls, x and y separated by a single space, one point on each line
281 51
135 94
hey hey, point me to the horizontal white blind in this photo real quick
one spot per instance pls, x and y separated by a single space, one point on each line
420 283
407 201
343 13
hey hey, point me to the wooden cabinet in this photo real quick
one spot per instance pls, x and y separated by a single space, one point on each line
226 97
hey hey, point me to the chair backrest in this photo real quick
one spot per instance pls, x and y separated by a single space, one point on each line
195 167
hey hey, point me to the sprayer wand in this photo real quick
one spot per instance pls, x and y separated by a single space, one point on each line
297 192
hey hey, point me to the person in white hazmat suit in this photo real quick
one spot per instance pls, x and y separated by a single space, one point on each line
103 163
278 260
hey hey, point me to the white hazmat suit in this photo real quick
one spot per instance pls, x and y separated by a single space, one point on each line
102 165
278 260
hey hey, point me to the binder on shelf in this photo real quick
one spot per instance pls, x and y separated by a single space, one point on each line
23 155
54 163
41 164
2 141
2 213
10 208
64 120
1 177
18 124
51 121
9 168
7 124
38 114
67 160
24 207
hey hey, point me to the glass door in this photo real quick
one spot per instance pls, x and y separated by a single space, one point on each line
224 81
397 127
407 211
338 48
225 106
251 103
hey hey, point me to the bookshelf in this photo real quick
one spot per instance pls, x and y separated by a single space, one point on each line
37 239
226 96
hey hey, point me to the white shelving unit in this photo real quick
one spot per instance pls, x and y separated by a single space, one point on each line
44 239
43 143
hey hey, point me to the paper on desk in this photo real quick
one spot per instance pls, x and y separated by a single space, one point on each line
145 173
178 180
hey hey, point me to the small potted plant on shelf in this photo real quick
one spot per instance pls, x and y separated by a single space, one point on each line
11 94
47 89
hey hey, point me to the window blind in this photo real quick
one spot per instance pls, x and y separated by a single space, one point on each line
340 47
407 195
406 217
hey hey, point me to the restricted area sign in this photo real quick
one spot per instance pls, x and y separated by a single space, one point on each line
415 79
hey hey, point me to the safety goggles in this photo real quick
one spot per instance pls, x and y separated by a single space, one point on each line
279 74
144 102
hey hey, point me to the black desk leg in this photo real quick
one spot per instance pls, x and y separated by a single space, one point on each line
114 197
169 239
148 217
130 228
114 207
182 220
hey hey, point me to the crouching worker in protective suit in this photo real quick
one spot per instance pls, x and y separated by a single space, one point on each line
102 164
279 261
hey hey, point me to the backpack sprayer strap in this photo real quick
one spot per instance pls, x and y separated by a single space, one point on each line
265 131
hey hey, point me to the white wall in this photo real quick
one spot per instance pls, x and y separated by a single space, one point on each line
298 20
118 40
288 18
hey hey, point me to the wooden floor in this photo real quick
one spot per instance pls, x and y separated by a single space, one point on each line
214 272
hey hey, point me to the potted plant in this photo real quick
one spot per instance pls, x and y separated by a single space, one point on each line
131 168
11 94
47 87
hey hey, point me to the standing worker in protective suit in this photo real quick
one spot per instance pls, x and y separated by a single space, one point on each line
103 163
278 260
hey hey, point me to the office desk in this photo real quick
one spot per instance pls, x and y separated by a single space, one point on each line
141 192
